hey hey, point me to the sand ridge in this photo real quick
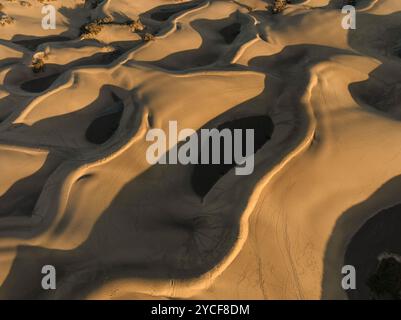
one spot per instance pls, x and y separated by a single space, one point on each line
79 194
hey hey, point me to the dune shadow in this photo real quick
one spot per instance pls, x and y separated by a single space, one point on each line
21 198
360 236
104 126
152 236
41 83
218 37
378 236
157 227
371 229
165 12
205 176
352 242
95 123
358 4
231 32
33 42
380 39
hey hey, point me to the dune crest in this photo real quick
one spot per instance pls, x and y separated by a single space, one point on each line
77 101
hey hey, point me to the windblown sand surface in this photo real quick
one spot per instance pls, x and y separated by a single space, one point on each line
77 192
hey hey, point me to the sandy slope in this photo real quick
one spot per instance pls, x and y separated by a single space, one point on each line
77 192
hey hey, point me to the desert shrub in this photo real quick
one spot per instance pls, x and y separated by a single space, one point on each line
91 29
5 19
38 61
279 6
136 26
148 37
386 281
38 65
24 3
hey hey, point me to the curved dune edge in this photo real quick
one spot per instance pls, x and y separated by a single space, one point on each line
49 211
358 219
186 288
109 155
274 60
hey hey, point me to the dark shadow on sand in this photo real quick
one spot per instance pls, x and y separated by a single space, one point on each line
39 84
381 91
103 127
42 83
205 176
380 233
165 12
218 37
21 198
141 236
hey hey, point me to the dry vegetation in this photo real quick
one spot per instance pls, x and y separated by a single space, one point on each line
279 6
93 28
46 1
148 37
38 62
38 65
136 26
25 3
386 282
4 18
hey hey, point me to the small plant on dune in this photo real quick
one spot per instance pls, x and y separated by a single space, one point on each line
5 19
38 61
387 279
136 26
91 29
148 37
24 3
279 6
105 20
38 65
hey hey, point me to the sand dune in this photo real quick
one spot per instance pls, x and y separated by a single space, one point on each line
77 192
